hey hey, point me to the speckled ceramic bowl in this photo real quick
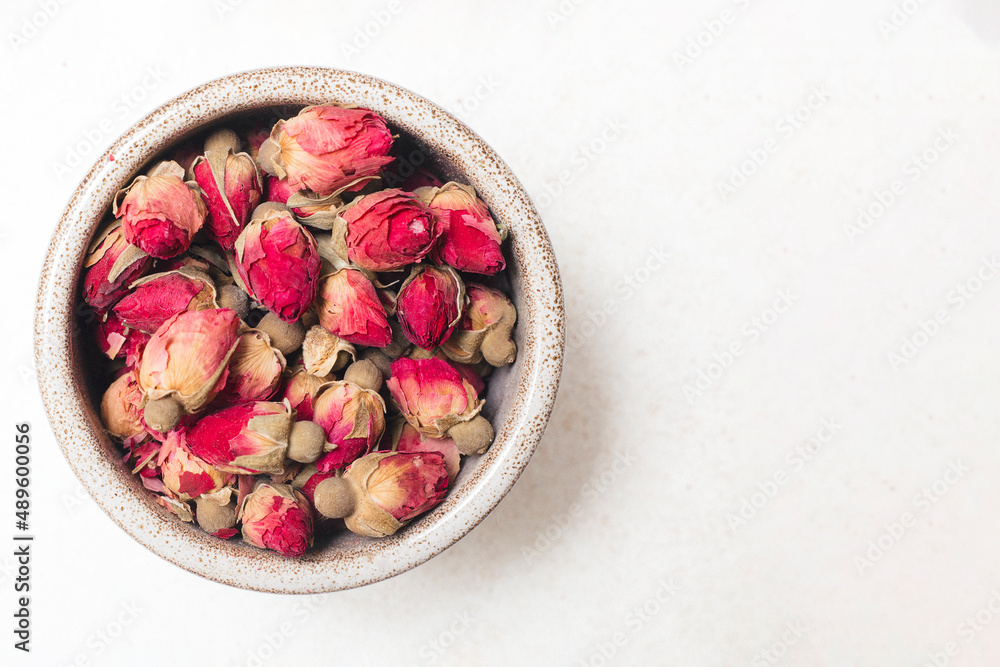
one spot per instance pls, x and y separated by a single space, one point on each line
519 399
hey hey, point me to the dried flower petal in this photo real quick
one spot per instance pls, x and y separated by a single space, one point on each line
184 474
300 392
349 307
156 298
112 265
254 370
410 441
233 187
248 438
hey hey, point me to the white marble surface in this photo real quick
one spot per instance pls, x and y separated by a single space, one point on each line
812 500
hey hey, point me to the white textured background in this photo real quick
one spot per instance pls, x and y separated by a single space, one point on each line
711 530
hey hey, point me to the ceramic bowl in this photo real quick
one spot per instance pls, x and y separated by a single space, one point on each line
520 396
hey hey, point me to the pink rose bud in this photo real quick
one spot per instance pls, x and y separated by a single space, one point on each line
160 213
470 240
112 264
429 305
484 332
385 231
156 298
278 263
300 392
353 419
410 441
327 148
246 439
349 307
254 370
278 189
188 356
229 208
120 409
432 395
184 474
117 341
277 517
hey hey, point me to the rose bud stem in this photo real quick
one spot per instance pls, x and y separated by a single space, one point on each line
365 374
213 517
473 436
305 442
221 140
334 498
381 361
234 298
286 336
163 414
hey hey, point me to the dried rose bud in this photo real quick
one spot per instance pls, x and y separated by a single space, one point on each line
349 307
186 475
470 373
233 187
117 341
254 370
186 360
300 392
160 213
353 419
248 438
432 395
254 135
278 189
327 148
390 489
430 304
278 263
485 330
112 265
120 410
409 440
216 513
385 231
324 353
156 298
307 480
470 240
277 517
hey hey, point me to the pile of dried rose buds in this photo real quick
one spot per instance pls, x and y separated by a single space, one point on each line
291 343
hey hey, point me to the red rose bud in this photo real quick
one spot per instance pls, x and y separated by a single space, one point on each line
156 298
120 409
353 419
116 340
300 392
432 395
484 333
184 474
246 439
233 187
385 231
279 518
429 305
327 148
349 307
410 441
160 213
254 370
112 264
278 263
186 360
470 240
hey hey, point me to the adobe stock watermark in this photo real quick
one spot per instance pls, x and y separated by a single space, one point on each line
485 87
634 621
370 30
563 11
784 129
93 138
750 333
900 15
967 631
590 491
796 459
595 318
773 654
225 7
711 30
956 299
894 531
432 650
302 612
584 156
102 639
31 25
913 170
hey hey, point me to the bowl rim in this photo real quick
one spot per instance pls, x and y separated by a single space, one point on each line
541 314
